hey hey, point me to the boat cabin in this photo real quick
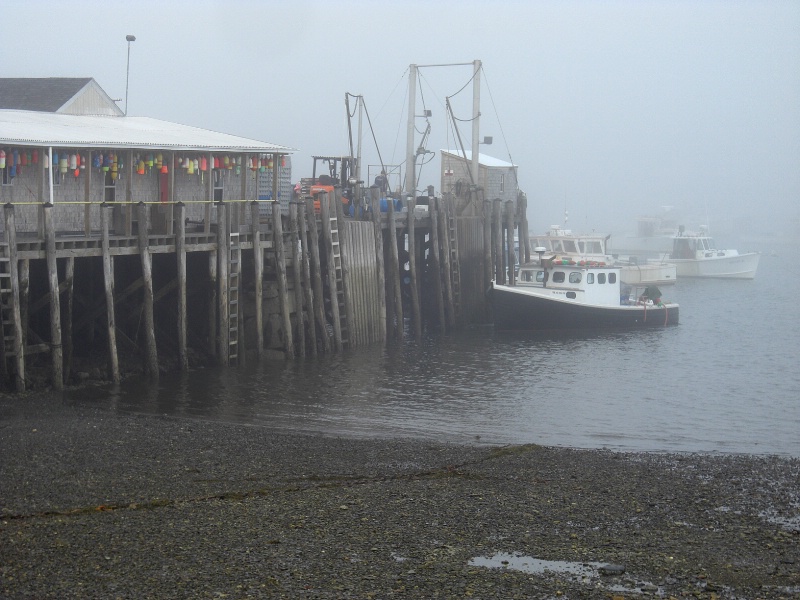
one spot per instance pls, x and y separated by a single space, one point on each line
691 247
590 282
563 241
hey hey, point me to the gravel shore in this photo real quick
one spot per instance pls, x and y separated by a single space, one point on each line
94 504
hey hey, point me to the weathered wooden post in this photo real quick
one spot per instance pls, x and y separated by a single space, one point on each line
316 274
223 266
499 274
394 270
344 257
306 266
16 316
524 234
436 268
446 275
375 207
108 279
258 268
212 302
69 288
512 256
56 350
24 296
180 252
325 218
280 269
487 254
413 287
298 283
151 361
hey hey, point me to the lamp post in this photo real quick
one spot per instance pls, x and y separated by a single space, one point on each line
129 38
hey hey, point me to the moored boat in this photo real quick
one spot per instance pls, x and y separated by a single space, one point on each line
552 294
696 255
594 247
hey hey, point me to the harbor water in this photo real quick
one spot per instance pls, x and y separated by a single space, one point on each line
726 380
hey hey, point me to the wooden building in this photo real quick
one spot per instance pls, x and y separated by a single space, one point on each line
61 95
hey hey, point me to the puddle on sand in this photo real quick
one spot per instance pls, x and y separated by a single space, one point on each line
528 564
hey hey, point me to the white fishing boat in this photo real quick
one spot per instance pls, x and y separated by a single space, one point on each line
557 293
594 248
697 255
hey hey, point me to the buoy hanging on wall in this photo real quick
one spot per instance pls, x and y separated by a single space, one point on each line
2 159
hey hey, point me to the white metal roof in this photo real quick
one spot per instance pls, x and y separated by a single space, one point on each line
29 128
483 159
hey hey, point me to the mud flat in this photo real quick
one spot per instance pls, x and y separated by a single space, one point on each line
95 504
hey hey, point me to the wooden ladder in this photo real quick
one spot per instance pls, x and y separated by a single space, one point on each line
6 318
337 262
455 268
234 272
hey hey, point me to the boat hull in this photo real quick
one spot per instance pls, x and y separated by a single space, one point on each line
516 309
650 273
740 266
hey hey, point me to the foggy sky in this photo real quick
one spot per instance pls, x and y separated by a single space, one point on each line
611 110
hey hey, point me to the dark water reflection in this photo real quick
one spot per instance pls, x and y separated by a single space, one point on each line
725 379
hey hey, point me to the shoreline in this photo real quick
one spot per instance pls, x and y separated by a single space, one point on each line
98 504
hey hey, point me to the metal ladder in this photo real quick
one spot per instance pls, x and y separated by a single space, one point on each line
234 271
455 268
337 262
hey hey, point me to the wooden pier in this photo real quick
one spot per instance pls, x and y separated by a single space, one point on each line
252 283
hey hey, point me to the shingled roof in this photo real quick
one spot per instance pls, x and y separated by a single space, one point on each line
49 94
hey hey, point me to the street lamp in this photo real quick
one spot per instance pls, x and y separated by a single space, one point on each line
130 38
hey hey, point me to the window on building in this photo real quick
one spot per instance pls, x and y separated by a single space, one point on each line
7 179
502 182
601 278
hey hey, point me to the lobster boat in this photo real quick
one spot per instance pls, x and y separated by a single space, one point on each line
556 293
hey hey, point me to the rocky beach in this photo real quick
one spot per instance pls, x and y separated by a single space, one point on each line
97 504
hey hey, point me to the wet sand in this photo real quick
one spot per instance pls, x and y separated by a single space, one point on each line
95 504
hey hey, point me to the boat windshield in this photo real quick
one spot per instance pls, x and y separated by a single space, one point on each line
592 247
569 246
708 244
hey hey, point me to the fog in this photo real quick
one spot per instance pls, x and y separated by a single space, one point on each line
611 110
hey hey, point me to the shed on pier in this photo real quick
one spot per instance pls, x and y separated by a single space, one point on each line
62 95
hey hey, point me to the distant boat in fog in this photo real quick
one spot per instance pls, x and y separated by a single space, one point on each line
697 255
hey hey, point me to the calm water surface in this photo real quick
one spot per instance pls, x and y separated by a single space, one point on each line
725 380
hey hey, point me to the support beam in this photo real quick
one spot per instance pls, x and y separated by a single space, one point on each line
258 268
316 275
223 265
280 269
180 251
55 308
108 278
308 316
298 276
69 288
151 354
416 316
394 270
